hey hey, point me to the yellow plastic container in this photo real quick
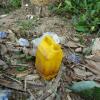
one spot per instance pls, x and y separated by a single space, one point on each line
48 58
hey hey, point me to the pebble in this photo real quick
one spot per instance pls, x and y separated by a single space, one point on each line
78 50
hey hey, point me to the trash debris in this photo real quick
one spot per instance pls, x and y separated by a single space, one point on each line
84 85
26 5
37 41
87 88
23 42
74 58
29 17
4 94
54 36
3 35
50 53
35 44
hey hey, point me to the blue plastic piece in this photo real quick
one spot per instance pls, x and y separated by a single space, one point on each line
4 94
74 58
3 35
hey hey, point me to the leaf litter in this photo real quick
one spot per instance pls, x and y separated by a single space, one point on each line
18 72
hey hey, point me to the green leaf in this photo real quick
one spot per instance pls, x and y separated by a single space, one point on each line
68 3
81 28
96 93
20 68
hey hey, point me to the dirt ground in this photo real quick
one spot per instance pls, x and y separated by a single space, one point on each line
19 22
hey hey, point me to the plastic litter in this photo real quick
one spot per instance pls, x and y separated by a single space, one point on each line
54 36
37 41
4 94
3 35
88 89
23 42
84 85
48 58
74 58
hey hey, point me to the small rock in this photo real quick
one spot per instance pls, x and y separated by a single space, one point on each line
2 16
78 50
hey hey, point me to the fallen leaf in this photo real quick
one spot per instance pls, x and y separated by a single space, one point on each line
2 62
11 35
96 46
94 57
72 44
81 72
3 49
93 66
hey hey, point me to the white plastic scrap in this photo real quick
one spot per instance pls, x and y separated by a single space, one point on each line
23 42
53 35
36 41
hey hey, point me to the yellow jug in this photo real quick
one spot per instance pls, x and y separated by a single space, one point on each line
48 58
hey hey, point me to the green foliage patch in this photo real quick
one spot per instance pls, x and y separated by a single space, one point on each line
85 13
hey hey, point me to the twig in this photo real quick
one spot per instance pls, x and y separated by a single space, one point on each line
19 65
68 96
32 97
12 79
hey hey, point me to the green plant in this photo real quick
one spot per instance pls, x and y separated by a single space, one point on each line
15 3
26 24
85 13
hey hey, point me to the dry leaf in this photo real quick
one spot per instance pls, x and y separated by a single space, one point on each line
94 57
2 62
96 46
81 72
11 35
93 66
72 44
3 49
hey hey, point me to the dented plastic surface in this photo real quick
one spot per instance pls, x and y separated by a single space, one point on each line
48 58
